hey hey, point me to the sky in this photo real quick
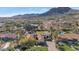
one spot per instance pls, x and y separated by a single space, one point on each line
11 11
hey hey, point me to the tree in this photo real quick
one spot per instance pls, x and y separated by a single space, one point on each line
27 41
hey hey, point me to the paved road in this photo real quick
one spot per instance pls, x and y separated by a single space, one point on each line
51 46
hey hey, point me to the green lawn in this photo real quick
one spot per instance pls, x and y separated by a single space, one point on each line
76 47
65 48
38 49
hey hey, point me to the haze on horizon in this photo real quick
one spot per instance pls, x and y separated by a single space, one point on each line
11 11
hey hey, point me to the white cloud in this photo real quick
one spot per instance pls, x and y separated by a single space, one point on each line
9 15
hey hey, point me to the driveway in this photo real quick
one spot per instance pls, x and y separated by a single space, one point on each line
6 45
51 46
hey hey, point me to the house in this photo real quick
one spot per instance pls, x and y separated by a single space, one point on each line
48 36
43 35
8 36
40 40
71 36
68 38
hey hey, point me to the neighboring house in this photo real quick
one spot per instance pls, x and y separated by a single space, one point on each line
68 38
8 36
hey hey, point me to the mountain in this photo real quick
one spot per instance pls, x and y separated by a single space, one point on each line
60 10
52 12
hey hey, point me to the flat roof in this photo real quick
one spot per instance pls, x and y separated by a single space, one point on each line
70 36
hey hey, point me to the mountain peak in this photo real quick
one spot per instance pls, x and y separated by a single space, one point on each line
61 9
58 10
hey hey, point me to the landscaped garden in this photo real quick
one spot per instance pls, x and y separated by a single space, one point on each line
38 49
